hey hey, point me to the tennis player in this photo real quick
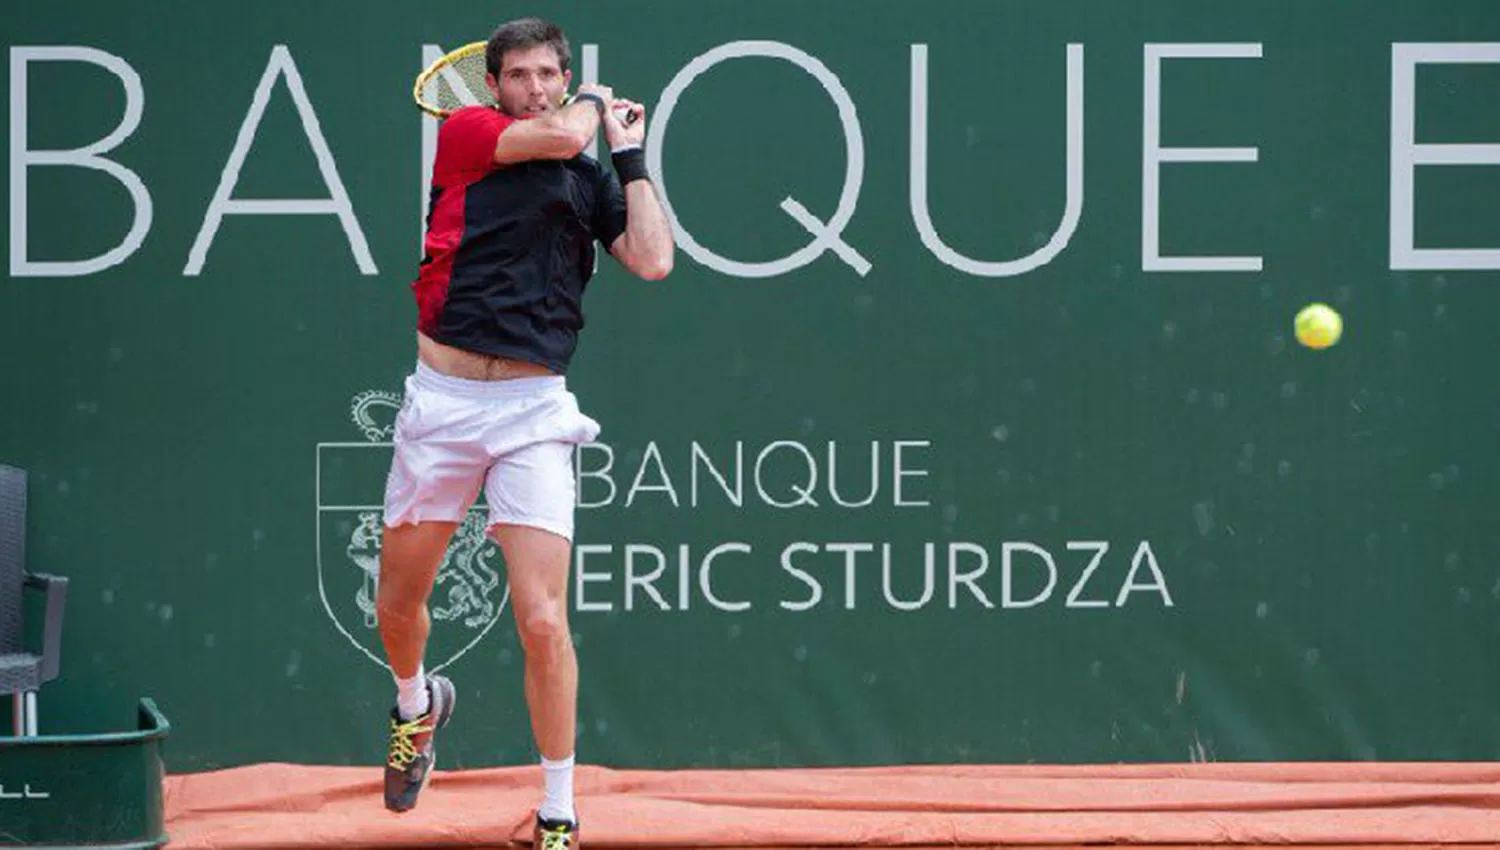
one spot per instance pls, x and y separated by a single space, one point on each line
515 212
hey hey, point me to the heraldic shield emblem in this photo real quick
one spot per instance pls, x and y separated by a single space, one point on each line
471 590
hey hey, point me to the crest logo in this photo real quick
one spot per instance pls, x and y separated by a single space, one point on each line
470 591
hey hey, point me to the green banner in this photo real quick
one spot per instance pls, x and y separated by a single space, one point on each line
970 426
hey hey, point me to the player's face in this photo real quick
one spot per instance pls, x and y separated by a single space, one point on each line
532 82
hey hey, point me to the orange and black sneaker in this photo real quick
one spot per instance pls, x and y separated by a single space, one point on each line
554 835
411 758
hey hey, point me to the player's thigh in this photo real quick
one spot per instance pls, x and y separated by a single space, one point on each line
531 494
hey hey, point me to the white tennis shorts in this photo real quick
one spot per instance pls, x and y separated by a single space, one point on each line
512 438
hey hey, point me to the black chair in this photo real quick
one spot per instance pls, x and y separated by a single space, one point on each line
23 673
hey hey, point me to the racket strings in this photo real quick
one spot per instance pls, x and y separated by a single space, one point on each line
458 84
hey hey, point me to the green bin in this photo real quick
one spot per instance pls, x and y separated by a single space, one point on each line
85 790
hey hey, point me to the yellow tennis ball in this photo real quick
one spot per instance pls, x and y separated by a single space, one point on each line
1319 326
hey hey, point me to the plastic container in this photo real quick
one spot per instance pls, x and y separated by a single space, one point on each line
85 790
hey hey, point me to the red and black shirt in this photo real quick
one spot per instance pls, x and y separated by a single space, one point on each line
509 249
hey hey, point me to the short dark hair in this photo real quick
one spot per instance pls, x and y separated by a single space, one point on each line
523 34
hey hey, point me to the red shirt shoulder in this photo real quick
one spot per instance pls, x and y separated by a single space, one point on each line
466 144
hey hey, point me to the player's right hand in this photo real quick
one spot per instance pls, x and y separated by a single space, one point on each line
605 92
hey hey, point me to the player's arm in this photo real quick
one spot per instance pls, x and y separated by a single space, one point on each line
645 247
562 134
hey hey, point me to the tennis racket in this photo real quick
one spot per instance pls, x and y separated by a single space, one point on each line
456 80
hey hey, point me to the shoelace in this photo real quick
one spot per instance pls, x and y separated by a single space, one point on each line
403 749
556 840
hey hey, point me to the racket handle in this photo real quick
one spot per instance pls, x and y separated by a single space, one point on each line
623 114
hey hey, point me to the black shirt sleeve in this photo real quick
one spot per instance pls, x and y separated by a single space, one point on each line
609 207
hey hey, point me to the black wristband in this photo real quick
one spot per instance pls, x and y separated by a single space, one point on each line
599 104
630 165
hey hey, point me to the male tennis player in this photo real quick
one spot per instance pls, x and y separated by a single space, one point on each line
515 211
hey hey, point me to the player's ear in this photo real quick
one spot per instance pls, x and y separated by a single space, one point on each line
493 84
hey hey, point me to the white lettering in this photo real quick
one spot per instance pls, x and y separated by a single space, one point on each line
801 575
705 581
646 582
737 493
955 578
1154 155
1007 598
602 473
833 476
1144 556
1407 154
1073 207
584 577
826 236
902 472
851 551
1099 548
929 557
90 156
803 494
652 457
337 203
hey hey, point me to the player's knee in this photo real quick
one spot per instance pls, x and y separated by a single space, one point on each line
544 633
392 605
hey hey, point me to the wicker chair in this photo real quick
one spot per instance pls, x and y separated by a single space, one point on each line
22 673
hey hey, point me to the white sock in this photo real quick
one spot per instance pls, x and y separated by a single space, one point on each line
558 804
411 695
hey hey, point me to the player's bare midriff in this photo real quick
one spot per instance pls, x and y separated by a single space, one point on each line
473 366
